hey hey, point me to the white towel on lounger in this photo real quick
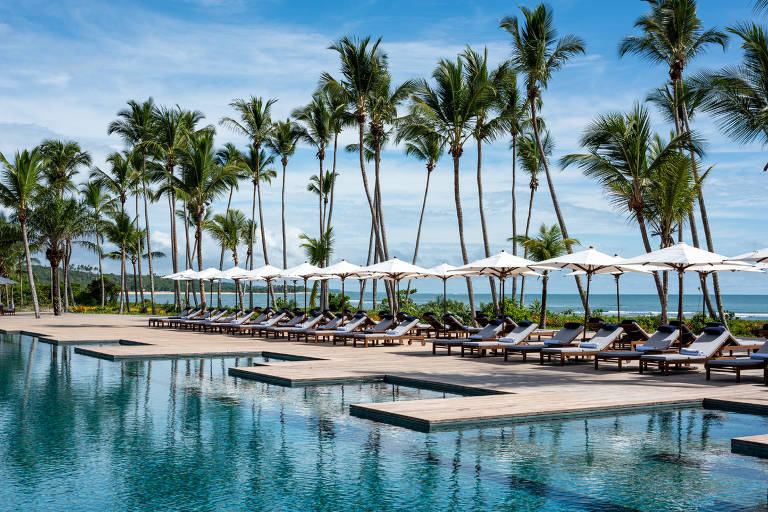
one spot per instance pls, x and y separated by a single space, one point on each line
587 345
391 332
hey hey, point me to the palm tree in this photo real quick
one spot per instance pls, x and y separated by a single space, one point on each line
339 117
283 144
428 146
119 232
537 53
487 128
255 123
96 198
169 128
737 95
201 181
230 156
512 107
136 126
318 250
62 160
315 129
624 157
673 34
362 64
53 222
530 161
451 107
671 197
19 188
229 231
549 243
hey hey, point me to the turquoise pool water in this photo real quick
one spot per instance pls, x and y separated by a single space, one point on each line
78 433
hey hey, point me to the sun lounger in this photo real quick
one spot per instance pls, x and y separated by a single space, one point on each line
399 333
244 325
688 336
562 338
604 338
330 325
308 323
232 324
161 321
293 322
595 323
193 324
706 347
518 335
8 310
261 326
658 343
158 320
633 333
756 361
356 323
386 322
202 315
433 326
224 318
455 325
489 333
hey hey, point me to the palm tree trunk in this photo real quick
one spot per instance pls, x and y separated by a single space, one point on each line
27 256
460 220
221 258
250 243
198 242
333 183
135 284
261 224
56 288
123 291
525 249
66 279
543 313
661 290
188 252
101 272
388 285
138 251
69 275
149 238
366 188
514 211
363 282
418 231
553 194
174 246
483 225
282 219
705 225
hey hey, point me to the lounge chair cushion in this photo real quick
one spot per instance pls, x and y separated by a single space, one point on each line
691 352
759 356
391 332
714 330
666 328
587 345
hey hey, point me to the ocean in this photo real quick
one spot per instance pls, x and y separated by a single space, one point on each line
748 307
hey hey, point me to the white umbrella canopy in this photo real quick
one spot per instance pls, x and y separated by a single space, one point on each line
233 273
444 271
680 257
304 272
210 274
343 270
393 270
184 275
267 273
758 256
588 261
5 280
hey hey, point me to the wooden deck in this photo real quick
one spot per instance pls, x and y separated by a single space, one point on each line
522 391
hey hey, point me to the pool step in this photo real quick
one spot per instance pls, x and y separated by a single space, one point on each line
755 446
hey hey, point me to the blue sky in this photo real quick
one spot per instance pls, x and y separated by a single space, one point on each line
70 66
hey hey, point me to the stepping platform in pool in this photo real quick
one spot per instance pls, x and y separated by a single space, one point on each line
131 351
756 446
485 411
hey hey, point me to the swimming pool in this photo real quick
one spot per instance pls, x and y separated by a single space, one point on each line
78 433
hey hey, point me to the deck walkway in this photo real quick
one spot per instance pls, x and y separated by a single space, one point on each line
522 391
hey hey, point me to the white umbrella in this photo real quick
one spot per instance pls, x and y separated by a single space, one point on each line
267 273
184 275
617 273
393 270
501 265
758 256
6 281
679 257
588 261
730 266
444 272
209 274
303 271
343 270
233 274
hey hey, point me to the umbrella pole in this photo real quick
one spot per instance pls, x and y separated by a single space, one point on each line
680 304
211 302
618 300
586 307
294 292
305 295
342 296
445 280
